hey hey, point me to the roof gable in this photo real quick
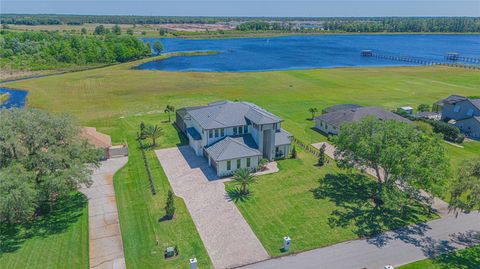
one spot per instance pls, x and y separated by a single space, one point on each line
233 147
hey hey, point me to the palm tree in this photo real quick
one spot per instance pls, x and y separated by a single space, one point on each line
243 177
313 111
153 132
169 109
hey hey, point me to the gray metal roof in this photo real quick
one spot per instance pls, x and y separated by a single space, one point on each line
339 107
476 102
224 114
351 115
452 99
194 134
282 137
233 147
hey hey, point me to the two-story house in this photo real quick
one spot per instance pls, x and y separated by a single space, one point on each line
463 112
233 135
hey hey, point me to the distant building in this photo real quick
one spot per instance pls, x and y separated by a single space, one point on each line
463 112
331 122
233 135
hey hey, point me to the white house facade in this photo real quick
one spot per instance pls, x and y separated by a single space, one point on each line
233 135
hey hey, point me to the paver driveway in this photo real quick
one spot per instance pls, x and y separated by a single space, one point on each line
228 238
106 248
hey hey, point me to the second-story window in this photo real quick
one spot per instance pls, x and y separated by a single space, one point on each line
470 112
210 133
456 108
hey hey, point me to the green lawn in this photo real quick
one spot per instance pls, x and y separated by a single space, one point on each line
140 211
57 240
109 98
460 259
317 206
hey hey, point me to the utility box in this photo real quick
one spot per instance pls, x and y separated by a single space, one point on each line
169 252
286 243
388 267
193 263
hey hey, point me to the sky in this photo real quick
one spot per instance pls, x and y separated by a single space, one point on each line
300 8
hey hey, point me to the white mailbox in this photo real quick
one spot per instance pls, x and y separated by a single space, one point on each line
193 263
286 243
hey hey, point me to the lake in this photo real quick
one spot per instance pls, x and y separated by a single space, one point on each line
17 98
307 52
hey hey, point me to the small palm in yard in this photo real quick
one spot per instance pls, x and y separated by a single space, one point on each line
169 109
153 132
243 177
313 111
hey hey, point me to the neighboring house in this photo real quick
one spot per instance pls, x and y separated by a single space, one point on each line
330 123
233 135
461 111
470 126
339 107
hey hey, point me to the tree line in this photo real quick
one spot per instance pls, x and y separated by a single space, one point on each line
345 24
47 50
459 25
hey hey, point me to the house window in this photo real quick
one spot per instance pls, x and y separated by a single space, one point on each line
234 130
456 108
222 132
238 163
216 132
240 131
210 133
245 129
229 165
470 112
248 162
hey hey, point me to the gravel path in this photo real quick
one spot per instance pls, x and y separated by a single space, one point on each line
228 238
106 248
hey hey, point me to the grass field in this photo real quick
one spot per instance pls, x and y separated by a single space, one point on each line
140 211
97 97
460 259
58 240
115 99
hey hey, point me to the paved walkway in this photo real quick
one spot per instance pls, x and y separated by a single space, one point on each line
396 248
437 204
106 248
228 238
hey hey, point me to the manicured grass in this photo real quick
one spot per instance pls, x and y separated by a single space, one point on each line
140 211
109 98
56 240
460 259
317 206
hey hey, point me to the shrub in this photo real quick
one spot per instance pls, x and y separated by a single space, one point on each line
450 132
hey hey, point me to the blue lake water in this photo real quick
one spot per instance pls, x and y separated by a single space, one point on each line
306 52
17 98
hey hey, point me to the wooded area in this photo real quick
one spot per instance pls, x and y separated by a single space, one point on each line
47 50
